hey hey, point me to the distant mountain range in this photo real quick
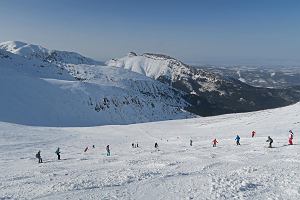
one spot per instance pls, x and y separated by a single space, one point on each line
260 76
207 92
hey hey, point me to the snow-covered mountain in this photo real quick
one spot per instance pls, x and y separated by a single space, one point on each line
208 93
55 88
32 51
29 51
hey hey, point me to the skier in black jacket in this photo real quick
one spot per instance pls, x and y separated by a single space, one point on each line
107 150
270 140
38 156
58 153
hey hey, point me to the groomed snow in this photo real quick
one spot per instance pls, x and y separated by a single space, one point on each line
176 171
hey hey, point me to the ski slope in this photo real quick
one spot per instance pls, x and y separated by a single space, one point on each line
176 171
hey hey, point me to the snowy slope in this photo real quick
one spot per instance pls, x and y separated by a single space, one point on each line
39 92
177 171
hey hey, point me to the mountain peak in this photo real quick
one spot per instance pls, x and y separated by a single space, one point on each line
158 56
32 51
149 64
13 44
25 49
131 54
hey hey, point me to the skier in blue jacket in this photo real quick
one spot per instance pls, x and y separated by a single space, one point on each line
237 140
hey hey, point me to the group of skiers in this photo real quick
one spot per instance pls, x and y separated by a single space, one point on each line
270 140
39 157
135 145
214 142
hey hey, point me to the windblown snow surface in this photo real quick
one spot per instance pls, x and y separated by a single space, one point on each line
175 171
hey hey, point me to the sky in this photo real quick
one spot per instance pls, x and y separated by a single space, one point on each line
204 32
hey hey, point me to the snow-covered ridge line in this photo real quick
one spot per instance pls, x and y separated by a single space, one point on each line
159 66
32 51
59 90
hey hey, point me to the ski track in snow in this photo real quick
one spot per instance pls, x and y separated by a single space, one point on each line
175 171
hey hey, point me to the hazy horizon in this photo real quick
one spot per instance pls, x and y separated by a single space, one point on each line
205 32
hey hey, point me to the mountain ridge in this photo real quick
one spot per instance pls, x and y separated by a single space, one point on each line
207 92
43 93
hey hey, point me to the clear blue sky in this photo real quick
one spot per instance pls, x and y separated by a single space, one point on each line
211 31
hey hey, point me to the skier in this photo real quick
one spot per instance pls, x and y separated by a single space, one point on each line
38 156
132 145
215 142
191 142
290 141
108 150
155 145
237 140
292 134
58 153
93 146
291 137
270 140
85 150
137 145
253 133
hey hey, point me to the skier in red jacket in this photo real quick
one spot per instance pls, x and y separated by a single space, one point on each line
215 142
291 138
290 141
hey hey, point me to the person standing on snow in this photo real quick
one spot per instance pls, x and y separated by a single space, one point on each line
292 134
237 140
155 145
108 150
58 153
270 140
253 134
191 142
215 142
291 137
38 156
